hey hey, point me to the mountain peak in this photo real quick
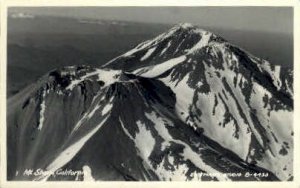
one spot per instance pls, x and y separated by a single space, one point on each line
187 29
185 25
183 38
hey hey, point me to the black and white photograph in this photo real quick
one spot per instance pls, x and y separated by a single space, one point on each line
150 93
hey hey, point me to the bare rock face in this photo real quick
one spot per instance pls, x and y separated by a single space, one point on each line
186 105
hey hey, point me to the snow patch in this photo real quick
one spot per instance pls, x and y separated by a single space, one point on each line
148 54
166 48
42 112
275 75
106 108
178 47
157 70
177 175
184 95
202 43
78 124
159 124
107 76
125 130
93 111
144 141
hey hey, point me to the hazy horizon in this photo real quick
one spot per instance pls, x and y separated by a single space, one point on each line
262 19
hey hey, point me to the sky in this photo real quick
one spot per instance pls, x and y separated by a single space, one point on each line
266 19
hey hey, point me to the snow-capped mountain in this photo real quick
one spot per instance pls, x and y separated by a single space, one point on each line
186 105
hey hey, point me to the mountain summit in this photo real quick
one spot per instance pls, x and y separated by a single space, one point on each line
186 105
181 39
